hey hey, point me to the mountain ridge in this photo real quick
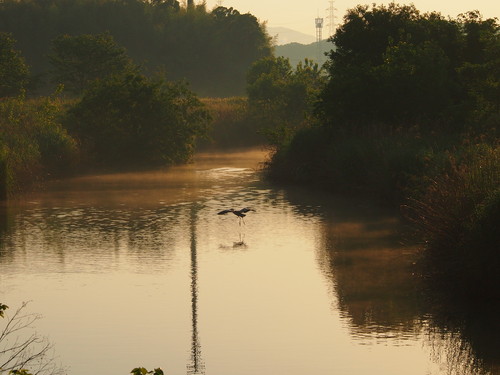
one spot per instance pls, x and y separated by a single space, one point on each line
285 35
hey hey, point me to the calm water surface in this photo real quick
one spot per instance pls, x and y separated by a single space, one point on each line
138 270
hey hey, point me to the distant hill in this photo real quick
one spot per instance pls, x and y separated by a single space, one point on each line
286 36
297 52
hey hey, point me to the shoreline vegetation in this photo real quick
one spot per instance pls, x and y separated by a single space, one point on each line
90 95
406 110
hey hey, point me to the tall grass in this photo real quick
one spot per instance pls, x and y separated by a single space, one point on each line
457 217
232 125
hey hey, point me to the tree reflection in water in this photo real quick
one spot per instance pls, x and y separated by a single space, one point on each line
381 296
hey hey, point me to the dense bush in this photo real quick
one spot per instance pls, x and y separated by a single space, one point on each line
77 61
14 72
396 66
281 98
403 88
33 141
129 121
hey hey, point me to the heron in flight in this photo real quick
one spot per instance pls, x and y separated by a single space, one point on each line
240 213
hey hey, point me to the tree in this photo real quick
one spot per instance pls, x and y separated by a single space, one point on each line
480 72
282 98
129 121
397 67
212 50
21 348
14 72
79 60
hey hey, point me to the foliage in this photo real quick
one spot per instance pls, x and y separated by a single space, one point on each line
211 49
407 94
129 120
282 98
402 87
14 72
480 73
33 141
395 66
20 372
79 60
143 371
2 309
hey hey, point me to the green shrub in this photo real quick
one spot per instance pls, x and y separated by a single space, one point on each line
129 121
33 141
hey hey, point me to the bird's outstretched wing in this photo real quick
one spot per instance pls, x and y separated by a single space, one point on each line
223 212
246 209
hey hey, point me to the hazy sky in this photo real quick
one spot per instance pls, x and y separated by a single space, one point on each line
299 15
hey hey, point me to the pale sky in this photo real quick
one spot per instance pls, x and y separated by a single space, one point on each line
300 15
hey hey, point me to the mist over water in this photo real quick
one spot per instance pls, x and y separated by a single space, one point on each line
138 269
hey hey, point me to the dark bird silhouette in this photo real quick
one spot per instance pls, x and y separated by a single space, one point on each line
240 213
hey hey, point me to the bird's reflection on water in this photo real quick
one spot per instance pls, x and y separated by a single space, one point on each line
239 244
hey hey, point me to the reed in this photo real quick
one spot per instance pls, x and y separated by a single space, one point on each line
457 218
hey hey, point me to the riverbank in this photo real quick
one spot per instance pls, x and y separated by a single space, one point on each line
447 188
411 120
40 142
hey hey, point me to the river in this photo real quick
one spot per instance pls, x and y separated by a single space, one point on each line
138 269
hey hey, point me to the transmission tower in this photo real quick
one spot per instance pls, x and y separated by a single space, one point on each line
331 18
319 29
219 3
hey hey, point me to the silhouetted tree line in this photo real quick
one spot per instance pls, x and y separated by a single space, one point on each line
409 113
396 66
212 50
119 119
394 72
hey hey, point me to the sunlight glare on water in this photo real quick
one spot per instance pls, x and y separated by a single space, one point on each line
139 270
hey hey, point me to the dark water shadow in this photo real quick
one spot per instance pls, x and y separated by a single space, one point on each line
371 267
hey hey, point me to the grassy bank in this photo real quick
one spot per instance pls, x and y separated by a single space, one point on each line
232 125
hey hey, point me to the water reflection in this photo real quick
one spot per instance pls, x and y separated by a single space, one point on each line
369 269
311 284
196 365
377 291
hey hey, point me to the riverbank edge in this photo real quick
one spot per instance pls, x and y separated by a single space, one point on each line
448 190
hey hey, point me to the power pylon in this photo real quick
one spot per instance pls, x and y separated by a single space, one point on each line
331 18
